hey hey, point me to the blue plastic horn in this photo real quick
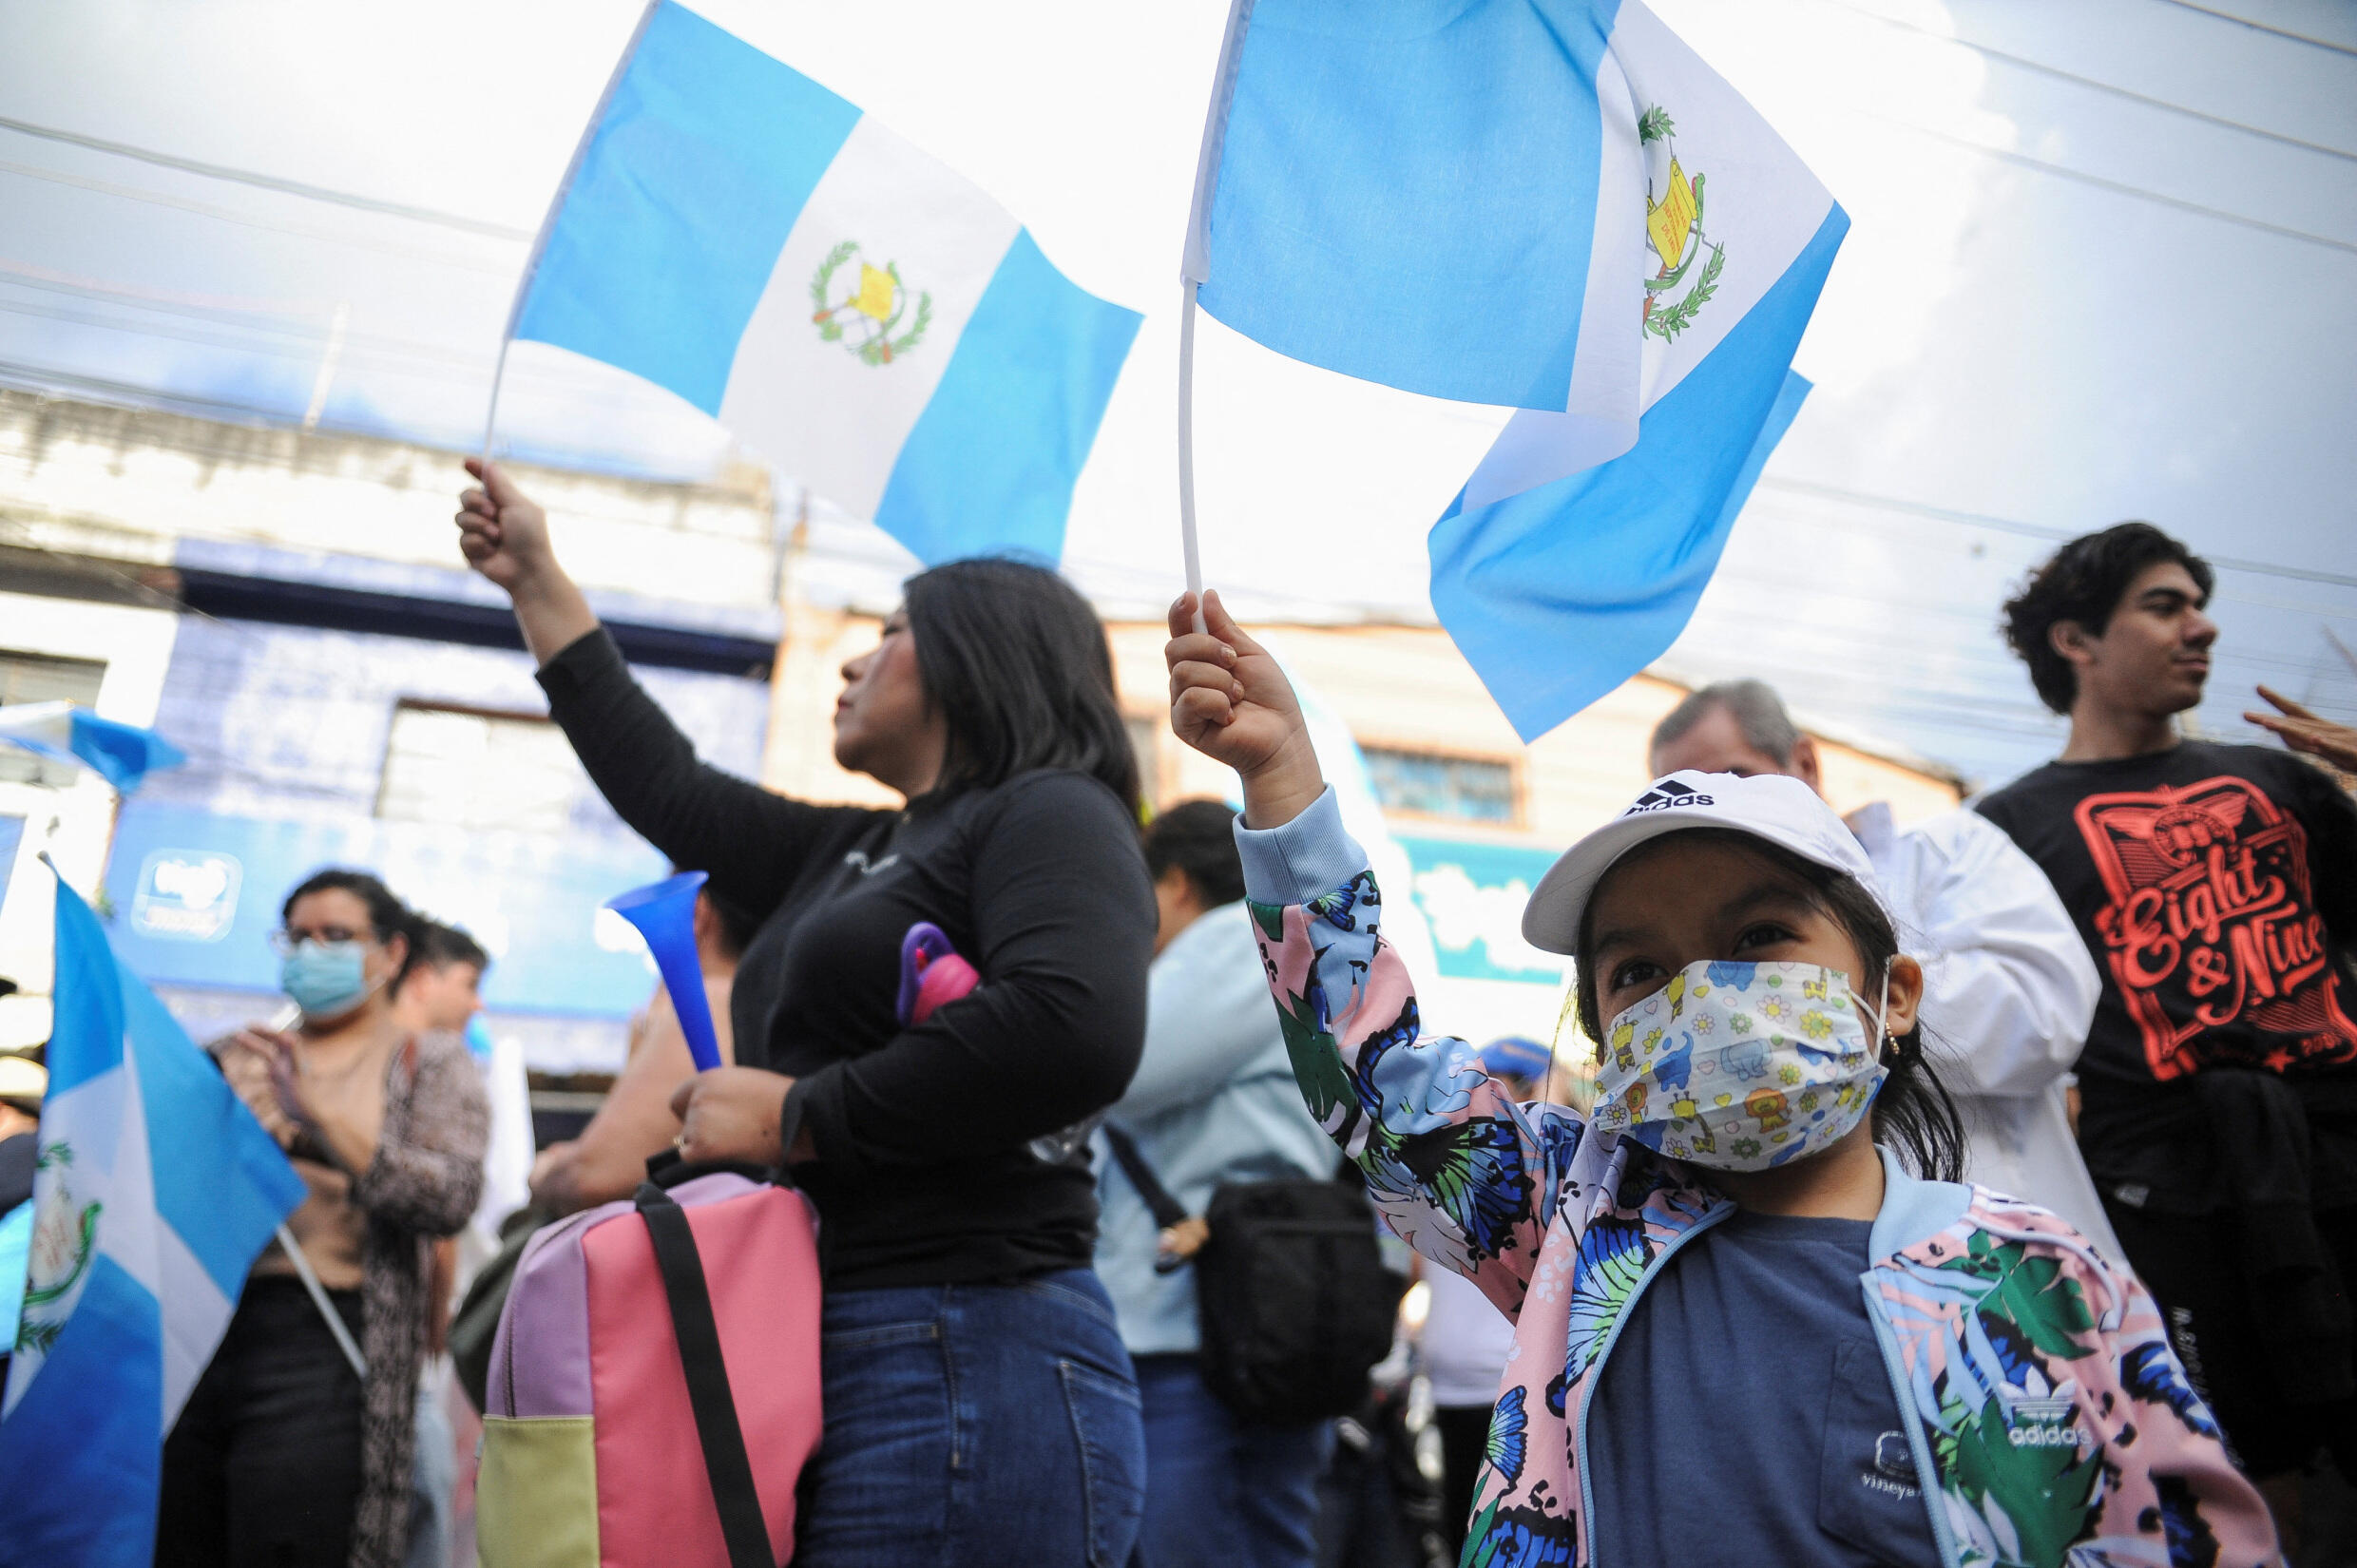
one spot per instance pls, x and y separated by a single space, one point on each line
664 912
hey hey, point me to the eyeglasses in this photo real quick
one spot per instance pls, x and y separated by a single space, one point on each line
284 942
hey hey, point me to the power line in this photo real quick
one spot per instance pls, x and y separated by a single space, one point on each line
2118 188
2042 69
230 214
2309 39
242 321
270 182
2034 530
1881 530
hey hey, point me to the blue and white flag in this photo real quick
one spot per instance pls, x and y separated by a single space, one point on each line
121 754
1551 205
154 1192
844 304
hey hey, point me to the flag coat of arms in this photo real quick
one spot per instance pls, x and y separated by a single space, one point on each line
154 1191
843 303
1549 206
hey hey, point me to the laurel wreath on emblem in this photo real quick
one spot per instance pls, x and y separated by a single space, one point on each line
60 1229
858 329
1666 320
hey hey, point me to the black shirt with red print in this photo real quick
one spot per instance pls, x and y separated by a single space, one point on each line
2216 888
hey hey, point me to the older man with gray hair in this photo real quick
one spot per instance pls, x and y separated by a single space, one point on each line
2009 988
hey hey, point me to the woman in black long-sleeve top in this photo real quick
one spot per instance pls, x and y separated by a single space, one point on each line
979 1405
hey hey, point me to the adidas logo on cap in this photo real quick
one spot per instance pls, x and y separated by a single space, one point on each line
1667 793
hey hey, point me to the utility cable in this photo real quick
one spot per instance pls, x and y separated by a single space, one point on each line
2042 69
2309 39
2033 530
230 214
2118 188
1880 530
269 182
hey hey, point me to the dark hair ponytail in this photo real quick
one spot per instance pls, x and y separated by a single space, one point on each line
1914 1114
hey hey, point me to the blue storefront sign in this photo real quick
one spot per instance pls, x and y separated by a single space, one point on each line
196 895
1471 895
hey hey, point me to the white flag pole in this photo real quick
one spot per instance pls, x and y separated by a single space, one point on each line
549 220
499 374
1187 543
1195 268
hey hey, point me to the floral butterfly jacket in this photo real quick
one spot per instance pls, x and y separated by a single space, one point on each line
2054 1423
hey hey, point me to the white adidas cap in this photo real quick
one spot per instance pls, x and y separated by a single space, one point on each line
1783 810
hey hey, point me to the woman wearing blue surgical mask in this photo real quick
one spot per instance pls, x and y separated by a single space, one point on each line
286 1452
1757 1319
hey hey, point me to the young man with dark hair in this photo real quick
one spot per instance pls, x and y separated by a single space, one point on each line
443 986
2216 886
2008 989
1213 1101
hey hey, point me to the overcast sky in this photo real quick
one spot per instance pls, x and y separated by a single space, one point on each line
2103 265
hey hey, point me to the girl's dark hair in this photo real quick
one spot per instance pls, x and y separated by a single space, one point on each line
1913 1114
2084 582
1016 663
388 916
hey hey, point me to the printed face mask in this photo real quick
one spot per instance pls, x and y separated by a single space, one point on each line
1740 1066
324 979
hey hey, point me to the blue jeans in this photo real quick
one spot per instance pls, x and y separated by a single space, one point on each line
435 1472
1219 1491
969 1425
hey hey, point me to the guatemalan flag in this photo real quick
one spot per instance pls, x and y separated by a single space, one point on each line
1547 204
121 754
155 1190
842 302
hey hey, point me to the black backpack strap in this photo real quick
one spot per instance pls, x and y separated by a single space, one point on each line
1167 1210
723 1440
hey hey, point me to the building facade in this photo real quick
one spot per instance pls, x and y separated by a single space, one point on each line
290 608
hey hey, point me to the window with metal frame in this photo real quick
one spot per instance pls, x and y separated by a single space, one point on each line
45 678
468 768
1465 789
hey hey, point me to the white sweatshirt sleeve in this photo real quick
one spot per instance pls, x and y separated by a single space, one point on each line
2010 987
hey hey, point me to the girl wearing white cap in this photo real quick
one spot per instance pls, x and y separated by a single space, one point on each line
1746 1332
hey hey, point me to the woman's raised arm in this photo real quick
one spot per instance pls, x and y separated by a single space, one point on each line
503 534
754 842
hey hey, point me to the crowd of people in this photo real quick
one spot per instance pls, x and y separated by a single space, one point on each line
1984 1189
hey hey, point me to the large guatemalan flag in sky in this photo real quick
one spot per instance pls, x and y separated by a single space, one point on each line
846 305
1547 204
155 1190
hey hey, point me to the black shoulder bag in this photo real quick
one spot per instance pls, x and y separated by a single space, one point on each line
1293 1299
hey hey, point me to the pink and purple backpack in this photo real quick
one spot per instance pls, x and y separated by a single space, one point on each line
645 1409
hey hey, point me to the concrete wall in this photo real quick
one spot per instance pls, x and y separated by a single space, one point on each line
127 484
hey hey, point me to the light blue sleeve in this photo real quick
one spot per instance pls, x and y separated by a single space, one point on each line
1465 1174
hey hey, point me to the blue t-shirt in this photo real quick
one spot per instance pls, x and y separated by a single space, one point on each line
1745 1416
